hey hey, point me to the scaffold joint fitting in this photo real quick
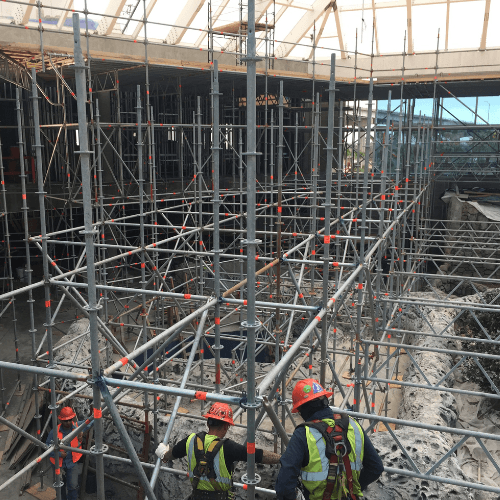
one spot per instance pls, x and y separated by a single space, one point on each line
95 451
250 482
249 406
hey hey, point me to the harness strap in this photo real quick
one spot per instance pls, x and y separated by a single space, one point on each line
333 474
348 471
205 460
334 469
331 478
210 456
199 454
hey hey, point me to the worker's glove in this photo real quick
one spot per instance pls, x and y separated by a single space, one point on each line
162 450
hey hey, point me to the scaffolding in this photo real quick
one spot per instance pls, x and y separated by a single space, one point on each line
154 231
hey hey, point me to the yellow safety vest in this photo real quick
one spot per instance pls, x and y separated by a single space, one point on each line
315 473
223 476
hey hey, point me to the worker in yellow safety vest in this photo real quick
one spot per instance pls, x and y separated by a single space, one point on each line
67 460
330 451
211 457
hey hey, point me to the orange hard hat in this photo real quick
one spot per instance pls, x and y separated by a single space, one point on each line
307 390
220 411
67 413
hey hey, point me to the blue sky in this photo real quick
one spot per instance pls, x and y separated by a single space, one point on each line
490 104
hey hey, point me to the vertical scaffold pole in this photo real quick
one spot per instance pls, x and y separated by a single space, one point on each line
270 225
199 179
30 301
216 204
314 198
142 238
328 211
43 229
357 386
250 478
383 183
89 233
29 270
278 329
340 147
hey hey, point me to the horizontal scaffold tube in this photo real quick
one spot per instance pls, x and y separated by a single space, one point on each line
431 349
296 346
178 472
49 372
420 425
173 391
158 293
148 345
292 351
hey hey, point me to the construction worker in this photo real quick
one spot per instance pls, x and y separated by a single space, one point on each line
67 460
331 453
211 457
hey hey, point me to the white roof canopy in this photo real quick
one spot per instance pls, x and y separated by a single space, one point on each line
341 25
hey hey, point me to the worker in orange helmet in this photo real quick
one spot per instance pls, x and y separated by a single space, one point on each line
67 460
329 451
211 457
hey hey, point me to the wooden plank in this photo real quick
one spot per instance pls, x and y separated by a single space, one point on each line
24 421
27 416
396 386
382 427
48 494
482 45
25 447
12 433
20 391
26 478
392 349
3 427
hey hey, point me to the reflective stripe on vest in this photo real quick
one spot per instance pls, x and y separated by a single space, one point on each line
321 445
315 474
359 445
74 444
222 475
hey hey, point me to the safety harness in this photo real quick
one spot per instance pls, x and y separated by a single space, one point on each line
205 460
337 451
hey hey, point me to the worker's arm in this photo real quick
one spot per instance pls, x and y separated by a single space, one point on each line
176 451
50 439
295 457
372 465
235 452
50 442
84 426
268 457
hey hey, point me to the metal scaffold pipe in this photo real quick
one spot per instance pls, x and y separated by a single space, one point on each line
216 210
127 442
160 282
328 209
187 370
48 316
89 233
251 479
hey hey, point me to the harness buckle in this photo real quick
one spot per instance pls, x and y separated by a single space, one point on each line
341 444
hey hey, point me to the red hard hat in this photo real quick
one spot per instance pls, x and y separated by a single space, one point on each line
307 390
67 413
220 411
